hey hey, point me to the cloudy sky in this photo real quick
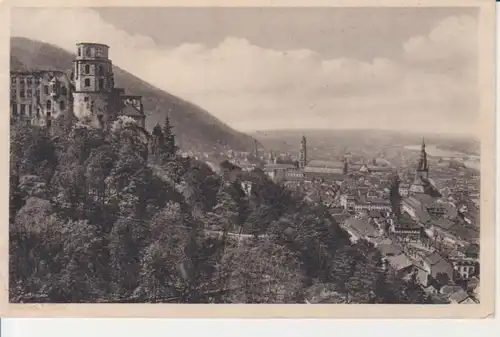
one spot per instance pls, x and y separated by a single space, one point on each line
256 68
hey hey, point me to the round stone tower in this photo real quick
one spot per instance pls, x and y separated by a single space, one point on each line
94 83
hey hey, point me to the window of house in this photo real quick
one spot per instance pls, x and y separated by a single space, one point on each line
13 82
37 80
46 89
87 69
79 51
29 93
28 122
13 93
37 93
22 93
29 81
87 52
101 70
101 83
86 99
87 82
49 113
38 112
49 104
49 123
14 109
22 111
62 105
64 91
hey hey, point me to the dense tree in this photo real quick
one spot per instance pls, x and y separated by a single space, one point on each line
94 217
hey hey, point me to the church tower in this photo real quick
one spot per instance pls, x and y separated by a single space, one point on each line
423 168
303 152
94 84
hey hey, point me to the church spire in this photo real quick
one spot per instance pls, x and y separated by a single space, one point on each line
422 163
303 152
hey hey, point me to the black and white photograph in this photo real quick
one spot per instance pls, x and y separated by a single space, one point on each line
246 155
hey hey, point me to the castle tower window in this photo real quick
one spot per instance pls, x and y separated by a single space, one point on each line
62 105
87 69
46 89
87 82
49 104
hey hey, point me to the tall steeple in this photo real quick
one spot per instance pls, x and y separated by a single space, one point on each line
422 163
303 152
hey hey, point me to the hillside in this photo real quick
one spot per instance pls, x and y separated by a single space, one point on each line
196 129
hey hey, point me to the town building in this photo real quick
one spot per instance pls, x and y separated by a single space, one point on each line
88 92
306 172
466 268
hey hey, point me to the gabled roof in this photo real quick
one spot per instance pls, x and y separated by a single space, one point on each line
459 296
444 223
326 163
399 262
131 111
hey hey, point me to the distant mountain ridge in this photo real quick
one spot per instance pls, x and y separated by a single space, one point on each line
195 128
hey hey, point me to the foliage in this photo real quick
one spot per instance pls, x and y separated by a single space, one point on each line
118 215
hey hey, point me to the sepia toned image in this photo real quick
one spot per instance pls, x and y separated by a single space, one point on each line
250 155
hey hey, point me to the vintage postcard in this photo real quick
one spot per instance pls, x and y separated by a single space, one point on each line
323 159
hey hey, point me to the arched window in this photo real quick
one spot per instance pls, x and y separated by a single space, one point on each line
87 82
49 104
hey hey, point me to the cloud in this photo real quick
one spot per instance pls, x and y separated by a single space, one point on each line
250 87
452 44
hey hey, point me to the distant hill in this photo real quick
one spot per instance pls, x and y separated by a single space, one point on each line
196 129
369 140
